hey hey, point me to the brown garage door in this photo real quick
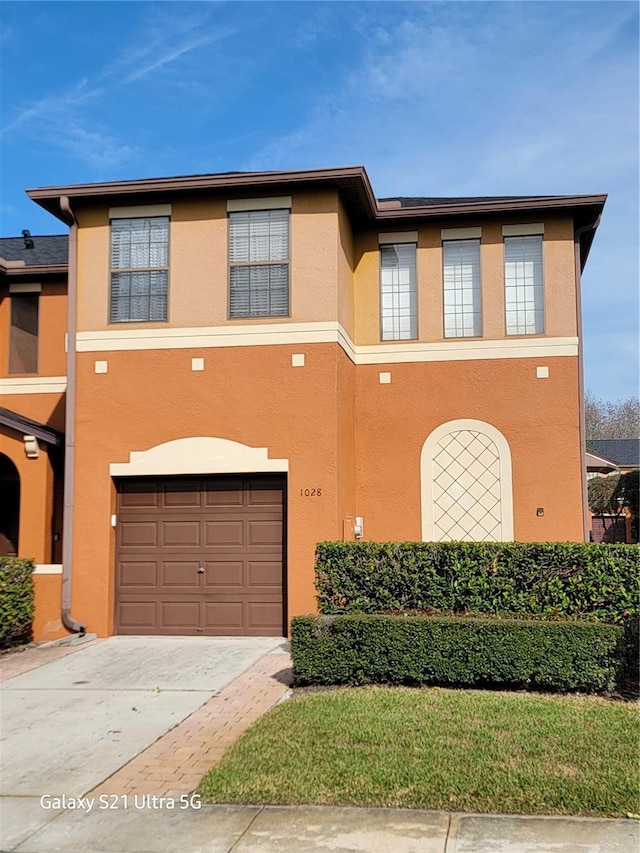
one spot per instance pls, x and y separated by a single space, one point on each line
200 556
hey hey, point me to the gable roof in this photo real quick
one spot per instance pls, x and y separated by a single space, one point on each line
47 250
625 452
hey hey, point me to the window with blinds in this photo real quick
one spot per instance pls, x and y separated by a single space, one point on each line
524 292
139 269
259 263
398 292
462 289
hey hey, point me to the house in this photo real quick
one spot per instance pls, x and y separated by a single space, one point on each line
260 361
613 456
624 453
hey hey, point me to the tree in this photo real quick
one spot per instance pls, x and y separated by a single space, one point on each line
605 419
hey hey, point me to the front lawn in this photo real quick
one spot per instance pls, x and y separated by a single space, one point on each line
459 750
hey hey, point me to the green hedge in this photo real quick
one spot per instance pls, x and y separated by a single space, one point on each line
16 601
541 579
416 650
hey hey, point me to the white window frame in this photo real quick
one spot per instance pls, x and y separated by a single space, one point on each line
462 290
151 270
392 293
261 214
524 292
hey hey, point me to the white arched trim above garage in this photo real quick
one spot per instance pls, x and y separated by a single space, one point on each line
465 481
198 455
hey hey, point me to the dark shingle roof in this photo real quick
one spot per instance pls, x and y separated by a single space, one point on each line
426 201
622 451
51 249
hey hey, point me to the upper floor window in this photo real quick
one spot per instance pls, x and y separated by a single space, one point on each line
23 336
398 292
259 263
462 290
524 293
139 269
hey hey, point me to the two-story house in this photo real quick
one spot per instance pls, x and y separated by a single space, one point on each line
259 361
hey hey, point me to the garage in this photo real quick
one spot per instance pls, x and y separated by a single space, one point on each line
200 556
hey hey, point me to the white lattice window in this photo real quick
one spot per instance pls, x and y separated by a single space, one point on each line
466 484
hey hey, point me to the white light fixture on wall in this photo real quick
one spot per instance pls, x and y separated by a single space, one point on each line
31 447
358 527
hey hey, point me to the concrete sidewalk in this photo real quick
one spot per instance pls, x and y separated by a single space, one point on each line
291 829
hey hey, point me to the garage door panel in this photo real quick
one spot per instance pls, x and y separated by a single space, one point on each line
138 573
264 533
180 615
269 495
180 574
222 534
224 574
264 573
183 493
221 616
135 494
264 617
183 534
137 617
169 527
139 534
228 493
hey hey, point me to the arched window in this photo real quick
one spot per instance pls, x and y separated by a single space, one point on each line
465 471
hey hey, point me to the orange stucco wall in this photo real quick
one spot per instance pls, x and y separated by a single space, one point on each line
341 430
52 311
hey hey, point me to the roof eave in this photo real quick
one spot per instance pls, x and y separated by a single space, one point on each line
344 177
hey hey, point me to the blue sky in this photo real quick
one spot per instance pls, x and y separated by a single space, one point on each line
433 98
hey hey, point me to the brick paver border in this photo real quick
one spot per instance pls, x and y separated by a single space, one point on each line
177 761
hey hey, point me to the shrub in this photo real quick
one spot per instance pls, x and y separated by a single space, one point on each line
417 650
16 601
541 579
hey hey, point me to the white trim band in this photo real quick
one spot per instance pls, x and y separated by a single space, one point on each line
33 385
284 334
48 569
234 205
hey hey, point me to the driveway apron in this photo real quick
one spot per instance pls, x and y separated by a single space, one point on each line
69 724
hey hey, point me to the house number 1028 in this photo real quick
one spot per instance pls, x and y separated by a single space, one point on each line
311 493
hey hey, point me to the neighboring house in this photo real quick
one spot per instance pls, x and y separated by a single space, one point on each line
33 324
259 361
624 453
604 457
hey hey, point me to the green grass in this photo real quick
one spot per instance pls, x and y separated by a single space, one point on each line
459 750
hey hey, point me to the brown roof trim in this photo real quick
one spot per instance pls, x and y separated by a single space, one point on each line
561 202
26 426
38 270
345 178
352 182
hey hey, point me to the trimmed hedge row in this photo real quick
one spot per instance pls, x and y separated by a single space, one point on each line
16 601
540 579
417 650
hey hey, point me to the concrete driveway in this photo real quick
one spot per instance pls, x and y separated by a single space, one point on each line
68 725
